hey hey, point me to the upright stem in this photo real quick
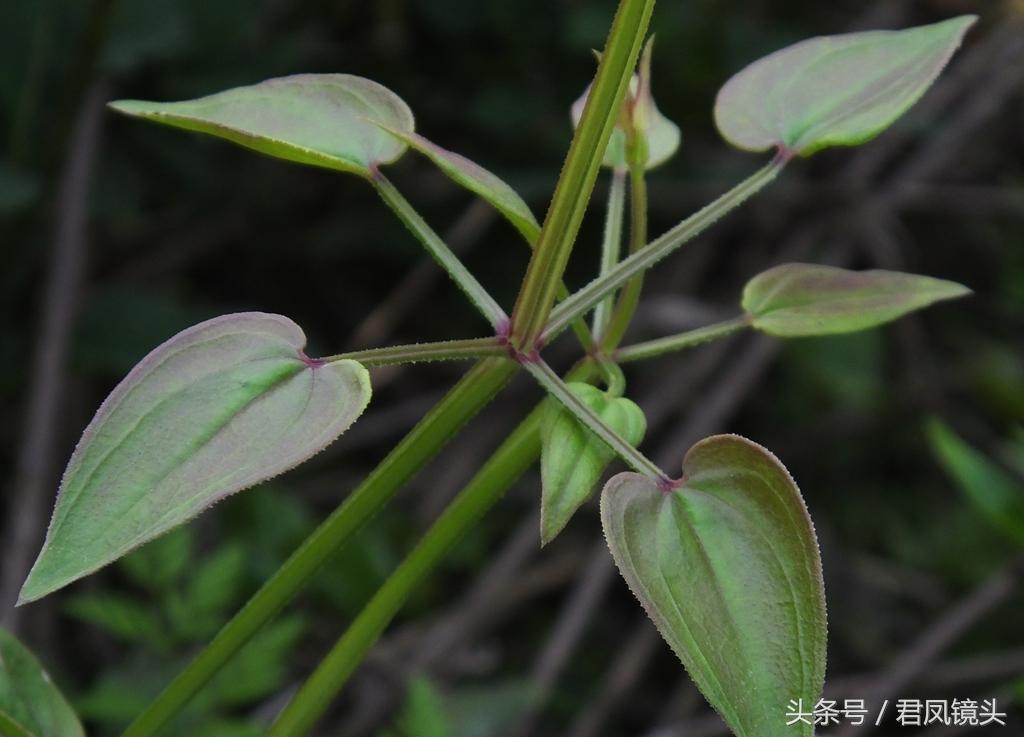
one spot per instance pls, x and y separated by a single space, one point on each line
561 225
445 350
659 248
507 464
611 245
630 295
468 283
651 348
473 391
625 450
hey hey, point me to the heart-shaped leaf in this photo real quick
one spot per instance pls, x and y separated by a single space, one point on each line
572 458
727 567
319 119
834 90
639 112
30 705
217 408
477 180
794 300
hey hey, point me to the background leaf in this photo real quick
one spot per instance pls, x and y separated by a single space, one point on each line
217 408
727 567
796 300
318 119
573 458
990 490
834 90
28 698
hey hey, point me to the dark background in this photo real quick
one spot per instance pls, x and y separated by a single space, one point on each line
116 234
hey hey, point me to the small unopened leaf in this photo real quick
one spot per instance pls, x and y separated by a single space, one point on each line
30 705
573 458
997 496
795 300
217 408
727 567
477 180
834 90
639 112
319 119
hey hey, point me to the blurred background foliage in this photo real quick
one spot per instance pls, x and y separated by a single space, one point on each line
116 234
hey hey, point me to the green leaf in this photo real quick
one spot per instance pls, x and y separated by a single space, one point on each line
30 705
124 617
216 409
727 567
573 458
159 563
989 489
795 300
424 713
834 90
477 180
640 113
318 119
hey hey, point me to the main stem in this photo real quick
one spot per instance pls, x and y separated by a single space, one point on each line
508 463
466 398
611 245
561 225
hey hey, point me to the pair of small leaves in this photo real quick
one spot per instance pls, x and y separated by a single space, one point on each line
337 121
727 567
639 115
795 300
216 409
30 704
573 458
834 90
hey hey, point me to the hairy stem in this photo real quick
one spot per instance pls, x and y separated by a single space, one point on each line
622 447
446 350
659 248
611 246
672 343
465 399
572 192
448 261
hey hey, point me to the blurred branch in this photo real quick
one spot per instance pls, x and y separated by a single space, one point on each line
26 518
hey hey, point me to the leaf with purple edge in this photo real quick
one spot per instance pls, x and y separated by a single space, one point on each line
322 120
796 300
476 179
218 408
727 566
834 90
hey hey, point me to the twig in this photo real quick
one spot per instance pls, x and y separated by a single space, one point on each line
34 472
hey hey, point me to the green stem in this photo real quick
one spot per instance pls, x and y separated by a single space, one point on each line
651 348
446 350
614 379
629 298
611 245
659 248
464 400
448 261
509 462
519 450
572 193
625 450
